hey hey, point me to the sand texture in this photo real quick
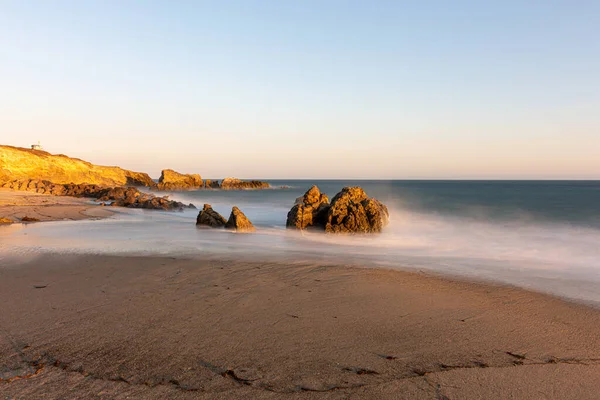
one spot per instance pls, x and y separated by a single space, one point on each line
154 328
15 205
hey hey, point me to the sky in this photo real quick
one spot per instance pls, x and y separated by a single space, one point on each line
308 89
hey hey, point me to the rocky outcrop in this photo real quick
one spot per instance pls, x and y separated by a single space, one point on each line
350 211
239 222
310 210
115 196
5 221
29 219
172 180
23 164
211 218
209 184
238 184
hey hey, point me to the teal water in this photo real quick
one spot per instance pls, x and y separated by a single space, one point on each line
543 235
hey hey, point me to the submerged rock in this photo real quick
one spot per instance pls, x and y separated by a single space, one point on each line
310 210
352 211
239 222
210 217
172 180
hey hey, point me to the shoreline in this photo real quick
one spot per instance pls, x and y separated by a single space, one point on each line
156 327
17 204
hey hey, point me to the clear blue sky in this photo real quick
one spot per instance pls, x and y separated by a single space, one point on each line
335 89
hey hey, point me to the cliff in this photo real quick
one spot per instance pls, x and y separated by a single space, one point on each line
20 164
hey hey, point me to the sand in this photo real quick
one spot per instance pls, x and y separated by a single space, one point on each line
15 205
155 328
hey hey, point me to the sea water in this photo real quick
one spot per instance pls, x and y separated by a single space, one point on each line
543 235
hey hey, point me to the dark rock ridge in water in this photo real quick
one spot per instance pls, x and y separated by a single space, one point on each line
238 184
172 180
239 222
211 218
350 211
117 196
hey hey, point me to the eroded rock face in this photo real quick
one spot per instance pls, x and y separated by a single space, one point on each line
210 217
310 210
239 222
118 196
21 164
172 180
352 211
238 184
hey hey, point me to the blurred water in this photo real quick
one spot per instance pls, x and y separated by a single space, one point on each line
540 235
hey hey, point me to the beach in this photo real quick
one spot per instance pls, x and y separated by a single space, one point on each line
165 327
15 205
144 305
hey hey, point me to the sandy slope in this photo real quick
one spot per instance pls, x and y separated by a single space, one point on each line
153 328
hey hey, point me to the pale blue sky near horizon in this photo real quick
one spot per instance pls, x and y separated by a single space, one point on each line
308 89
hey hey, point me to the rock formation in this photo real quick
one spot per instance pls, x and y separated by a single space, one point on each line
117 196
5 221
29 219
238 184
23 164
209 184
309 210
239 222
350 211
172 180
210 217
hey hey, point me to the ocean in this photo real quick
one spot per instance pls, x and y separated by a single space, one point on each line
542 235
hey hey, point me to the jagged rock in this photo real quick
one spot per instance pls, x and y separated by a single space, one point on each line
5 221
210 217
239 222
352 211
29 219
310 210
238 184
172 180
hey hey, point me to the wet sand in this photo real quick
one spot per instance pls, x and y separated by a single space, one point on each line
15 205
154 328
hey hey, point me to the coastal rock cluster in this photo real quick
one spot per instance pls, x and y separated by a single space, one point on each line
114 196
350 211
172 180
237 220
